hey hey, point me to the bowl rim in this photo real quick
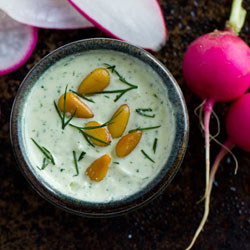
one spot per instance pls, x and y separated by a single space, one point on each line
133 201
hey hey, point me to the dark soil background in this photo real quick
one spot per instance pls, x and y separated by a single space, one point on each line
169 222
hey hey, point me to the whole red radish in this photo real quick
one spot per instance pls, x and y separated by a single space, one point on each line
238 123
216 67
238 130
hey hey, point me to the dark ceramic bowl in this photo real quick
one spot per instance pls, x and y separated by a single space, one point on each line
155 187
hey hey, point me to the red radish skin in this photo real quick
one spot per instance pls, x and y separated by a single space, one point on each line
238 122
216 67
108 24
56 14
22 40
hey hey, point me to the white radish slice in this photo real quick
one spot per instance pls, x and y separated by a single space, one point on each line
139 22
51 14
17 42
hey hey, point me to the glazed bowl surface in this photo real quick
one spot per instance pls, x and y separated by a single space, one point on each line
115 207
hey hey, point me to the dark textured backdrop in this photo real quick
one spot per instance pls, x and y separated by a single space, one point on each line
29 222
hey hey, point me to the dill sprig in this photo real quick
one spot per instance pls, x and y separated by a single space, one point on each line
116 162
143 112
155 145
88 136
120 91
99 126
87 139
146 128
121 78
75 162
81 156
45 152
45 164
146 110
82 96
147 156
63 116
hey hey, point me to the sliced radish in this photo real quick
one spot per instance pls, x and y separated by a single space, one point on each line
56 14
17 42
139 22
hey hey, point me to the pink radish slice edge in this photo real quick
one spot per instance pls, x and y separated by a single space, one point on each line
50 14
17 42
157 34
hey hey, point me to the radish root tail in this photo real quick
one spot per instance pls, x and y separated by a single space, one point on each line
226 147
198 112
200 107
218 125
203 221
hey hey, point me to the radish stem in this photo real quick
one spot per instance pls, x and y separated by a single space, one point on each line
237 17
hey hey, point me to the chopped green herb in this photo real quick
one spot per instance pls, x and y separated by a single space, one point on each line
64 106
45 163
62 117
142 112
99 126
87 139
120 91
45 152
146 110
76 164
87 136
121 78
155 145
81 156
94 138
50 155
146 155
62 169
116 162
112 68
106 96
82 96
147 128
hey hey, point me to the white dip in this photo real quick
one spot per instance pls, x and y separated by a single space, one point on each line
41 122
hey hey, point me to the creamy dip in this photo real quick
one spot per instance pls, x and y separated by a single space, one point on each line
41 122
